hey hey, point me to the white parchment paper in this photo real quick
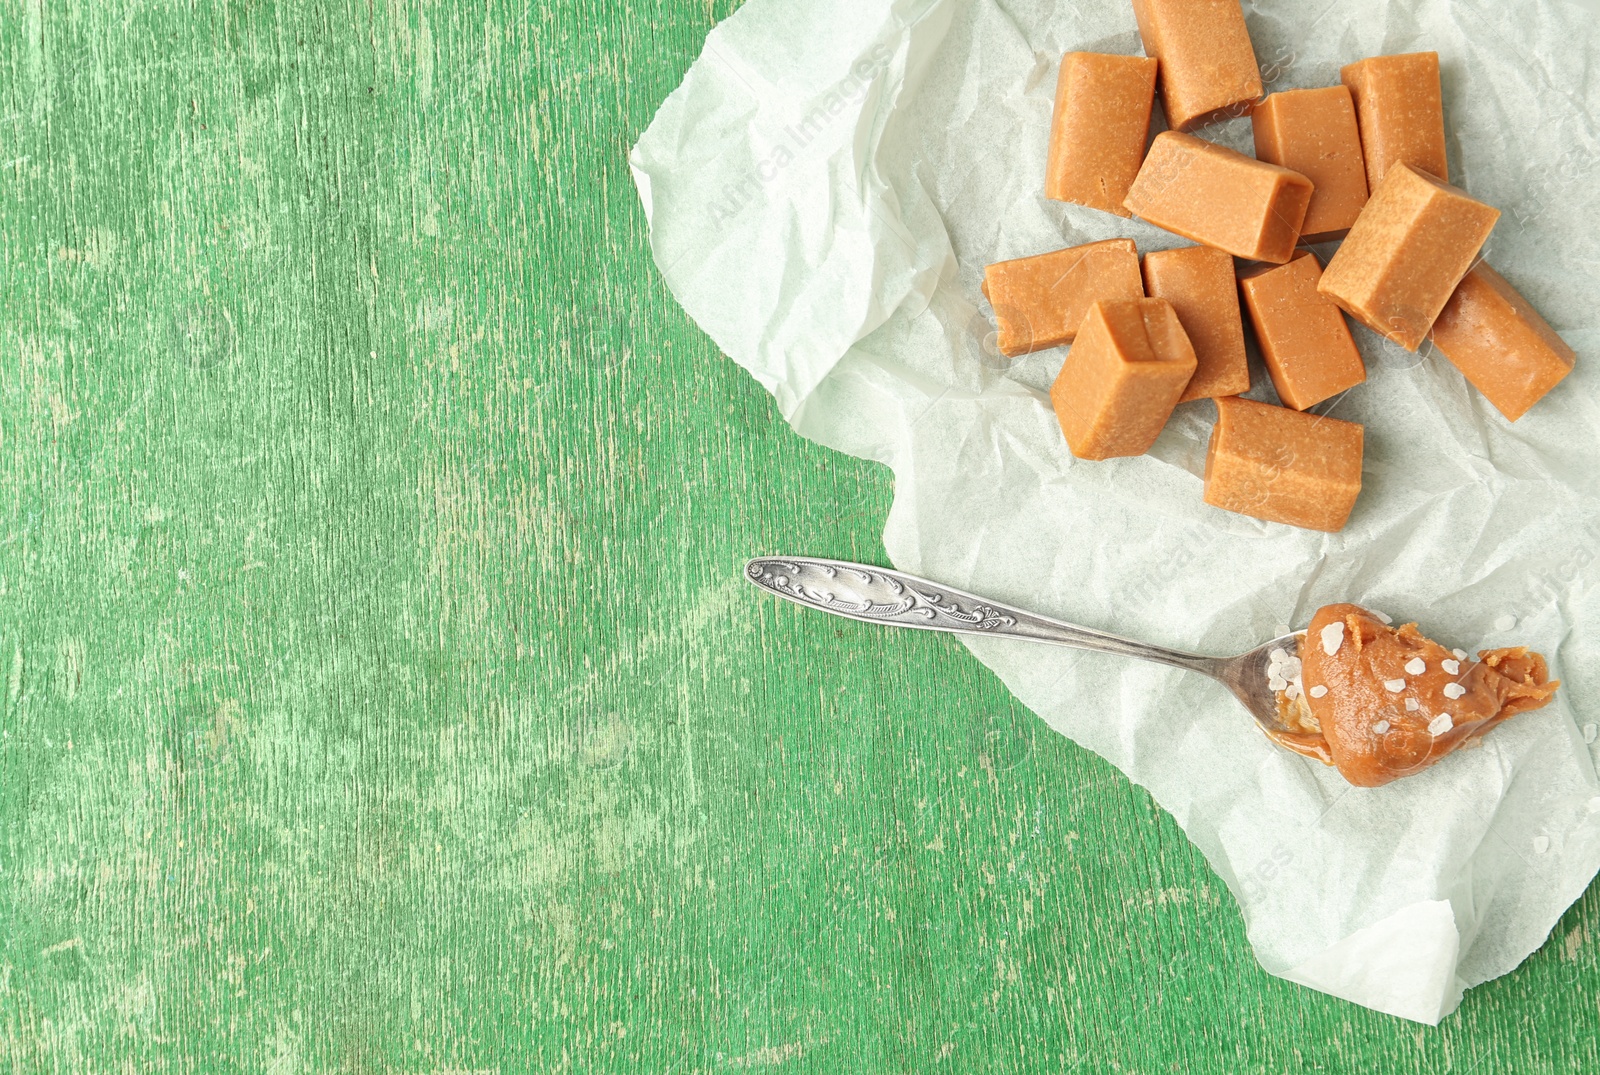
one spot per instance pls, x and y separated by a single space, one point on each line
824 190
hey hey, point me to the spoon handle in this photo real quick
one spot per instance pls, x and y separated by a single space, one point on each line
879 595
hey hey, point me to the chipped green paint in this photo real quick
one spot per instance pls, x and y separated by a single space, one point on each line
380 692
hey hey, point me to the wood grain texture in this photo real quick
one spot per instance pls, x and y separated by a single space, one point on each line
378 690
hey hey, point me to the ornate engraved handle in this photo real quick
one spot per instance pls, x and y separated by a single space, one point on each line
878 595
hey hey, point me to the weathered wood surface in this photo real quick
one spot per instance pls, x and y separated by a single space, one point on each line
379 691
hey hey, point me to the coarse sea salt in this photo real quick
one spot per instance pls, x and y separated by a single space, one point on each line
1454 690
1441 724
1381 727
1452 667
1381 616
1416 666
1320 691
1394 686
1332 638
1589 732
1505 623
1412 705
1541 844
1460 654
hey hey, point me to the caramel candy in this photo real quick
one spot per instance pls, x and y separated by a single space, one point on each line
1220 198
1122 378
1401 113
1314 132
1208 66
1305 343
1409 249
1198 281
1390 702
1500 343
1283 466
1102 120
1040 301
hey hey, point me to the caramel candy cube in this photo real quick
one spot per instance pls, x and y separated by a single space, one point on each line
1102 121
1314 132
1198 281
1400 110
1305 343
1214 196
1409 249
1283 466
1040 301
1500 343
1122 378
1208 65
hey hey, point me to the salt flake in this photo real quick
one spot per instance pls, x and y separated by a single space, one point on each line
1381 727
1440 724
1452 667
1320 691
1454 690
1332 638
1416 666
1394 686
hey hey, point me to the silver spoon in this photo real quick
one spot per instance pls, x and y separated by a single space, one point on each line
878 595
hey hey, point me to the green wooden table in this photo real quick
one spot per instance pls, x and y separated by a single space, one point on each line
378 690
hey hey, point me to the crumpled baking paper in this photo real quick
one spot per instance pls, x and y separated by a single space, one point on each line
824 190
